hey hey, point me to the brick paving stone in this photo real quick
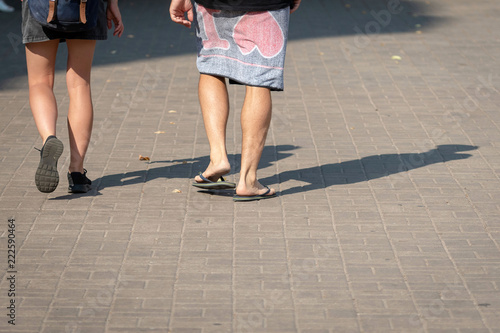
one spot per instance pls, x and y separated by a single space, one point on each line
387 168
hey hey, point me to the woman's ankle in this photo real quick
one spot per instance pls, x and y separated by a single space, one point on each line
78 168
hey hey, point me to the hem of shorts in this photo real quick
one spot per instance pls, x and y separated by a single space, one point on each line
46 39
236 81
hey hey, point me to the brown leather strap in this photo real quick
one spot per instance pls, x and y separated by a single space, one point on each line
52 11
83 6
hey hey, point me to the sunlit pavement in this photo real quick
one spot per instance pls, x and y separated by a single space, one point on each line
384 148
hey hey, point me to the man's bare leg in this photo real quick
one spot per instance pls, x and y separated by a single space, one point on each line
255 121
214 103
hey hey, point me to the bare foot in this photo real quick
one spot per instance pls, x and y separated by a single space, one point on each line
255 189
214 172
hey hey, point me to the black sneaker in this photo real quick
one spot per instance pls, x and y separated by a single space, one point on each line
46 176
78 182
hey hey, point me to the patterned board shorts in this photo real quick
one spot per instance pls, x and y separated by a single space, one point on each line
246 47
34 32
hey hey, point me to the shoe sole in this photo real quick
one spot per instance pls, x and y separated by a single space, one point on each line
239 198
215 186
253 197
46 176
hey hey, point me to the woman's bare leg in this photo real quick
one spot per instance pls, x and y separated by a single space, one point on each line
80 113
255 121
40 61
214 103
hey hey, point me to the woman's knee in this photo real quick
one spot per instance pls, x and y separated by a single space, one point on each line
77 81
40 60
41 81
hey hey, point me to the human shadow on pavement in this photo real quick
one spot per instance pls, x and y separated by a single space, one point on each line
324 176
181 168
366 168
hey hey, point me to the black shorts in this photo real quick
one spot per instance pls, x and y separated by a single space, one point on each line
34 32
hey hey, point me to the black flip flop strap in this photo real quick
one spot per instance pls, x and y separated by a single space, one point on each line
205 179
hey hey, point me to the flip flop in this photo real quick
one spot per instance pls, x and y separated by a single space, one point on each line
264 195
207 184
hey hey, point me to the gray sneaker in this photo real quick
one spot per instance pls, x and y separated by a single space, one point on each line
46 176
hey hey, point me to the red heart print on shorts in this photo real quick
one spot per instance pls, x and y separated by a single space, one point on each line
259 30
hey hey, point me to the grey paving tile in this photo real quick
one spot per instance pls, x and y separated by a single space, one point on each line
388 172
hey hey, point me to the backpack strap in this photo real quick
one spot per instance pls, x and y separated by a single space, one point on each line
83 6
52 10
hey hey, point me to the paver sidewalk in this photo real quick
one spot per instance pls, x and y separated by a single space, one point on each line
385 148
